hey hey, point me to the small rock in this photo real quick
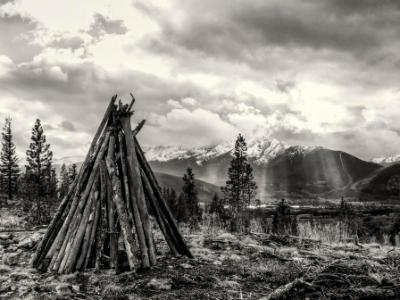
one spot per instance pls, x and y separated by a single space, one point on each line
235 257
160 284
6 236
186 266
12 259
4 269
17 276
76 288
229 284
217 263
30 242
64 289
227 237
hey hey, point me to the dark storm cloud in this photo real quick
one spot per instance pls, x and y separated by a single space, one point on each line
73 42
103 25
67 125
16 38
248 33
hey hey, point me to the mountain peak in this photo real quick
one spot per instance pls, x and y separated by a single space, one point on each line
260 150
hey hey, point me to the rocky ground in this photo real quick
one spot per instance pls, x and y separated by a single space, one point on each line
225 267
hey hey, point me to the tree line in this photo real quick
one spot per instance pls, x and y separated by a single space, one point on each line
231 209
37 183
39 188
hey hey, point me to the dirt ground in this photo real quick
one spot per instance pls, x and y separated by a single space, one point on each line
225 267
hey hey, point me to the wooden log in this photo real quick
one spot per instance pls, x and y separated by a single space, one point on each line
138 127
162 223
59 243
57 221
92 237
52 229
181 247
85 248
132 102
102 225
135 182
281 292
74 245
124 173
111 211
126 229
43 262
75 220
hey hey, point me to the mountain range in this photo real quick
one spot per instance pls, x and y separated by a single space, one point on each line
280 170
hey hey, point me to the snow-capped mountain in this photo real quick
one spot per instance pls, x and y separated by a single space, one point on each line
260 151
387 160
68 160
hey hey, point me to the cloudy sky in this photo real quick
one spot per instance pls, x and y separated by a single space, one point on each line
311 72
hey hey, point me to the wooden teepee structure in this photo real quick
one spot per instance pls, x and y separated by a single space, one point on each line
110 199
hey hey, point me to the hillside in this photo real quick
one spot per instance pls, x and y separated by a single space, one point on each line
383 184
206 190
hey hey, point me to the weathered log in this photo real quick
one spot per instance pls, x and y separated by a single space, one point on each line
162 223
102 224
132 102
124 173
129 241
85 248
57 221
63 232
71 253
111 211
42 261
92 237
137 193
181 246
71 230
280 292
71 225
138 127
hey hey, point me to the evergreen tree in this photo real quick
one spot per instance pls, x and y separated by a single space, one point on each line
216 206
64 181
40 175
188 201
284 222
39 158
170 197
72 172
240 188
9 169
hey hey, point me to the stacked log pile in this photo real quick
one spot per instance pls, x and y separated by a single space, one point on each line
109 201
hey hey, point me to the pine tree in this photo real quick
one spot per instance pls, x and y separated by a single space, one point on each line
188 200
9 169
39 158
170 197
72 173
240 188
64 181
216 206
40 173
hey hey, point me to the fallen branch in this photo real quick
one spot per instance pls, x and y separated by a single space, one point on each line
280 292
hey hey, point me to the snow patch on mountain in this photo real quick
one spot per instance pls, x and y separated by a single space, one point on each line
387 160
260 151
68 160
